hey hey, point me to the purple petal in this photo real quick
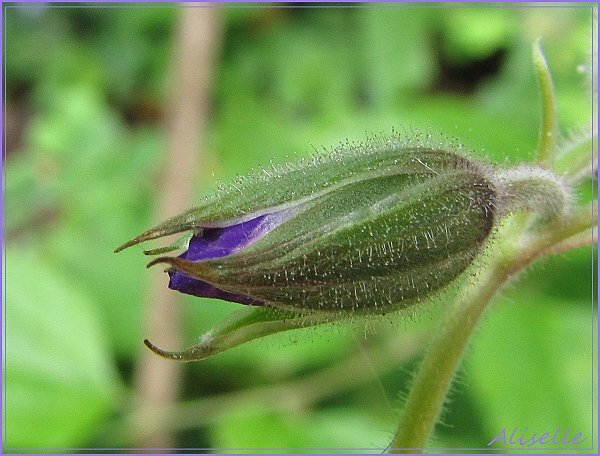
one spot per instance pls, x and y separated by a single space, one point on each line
195 287
220 242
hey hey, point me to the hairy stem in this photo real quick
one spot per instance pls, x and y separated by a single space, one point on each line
435 375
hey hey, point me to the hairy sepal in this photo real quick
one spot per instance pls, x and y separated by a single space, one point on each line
283 186
240 327
386 235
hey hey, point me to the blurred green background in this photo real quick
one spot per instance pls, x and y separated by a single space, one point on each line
86 96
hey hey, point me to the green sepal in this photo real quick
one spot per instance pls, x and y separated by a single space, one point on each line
180 243
241 326
294 184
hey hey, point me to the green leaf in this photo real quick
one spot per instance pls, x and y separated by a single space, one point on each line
60 381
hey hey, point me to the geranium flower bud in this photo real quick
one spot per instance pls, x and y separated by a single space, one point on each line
368 228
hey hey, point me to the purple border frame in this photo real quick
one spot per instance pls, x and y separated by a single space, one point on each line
259 4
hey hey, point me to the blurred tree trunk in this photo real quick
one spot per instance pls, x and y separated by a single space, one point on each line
196 47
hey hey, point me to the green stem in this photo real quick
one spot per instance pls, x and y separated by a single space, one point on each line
432 382
436 373
548 130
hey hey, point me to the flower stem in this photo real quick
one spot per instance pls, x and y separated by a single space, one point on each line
435 375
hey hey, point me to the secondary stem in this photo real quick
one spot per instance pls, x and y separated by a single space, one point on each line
431 385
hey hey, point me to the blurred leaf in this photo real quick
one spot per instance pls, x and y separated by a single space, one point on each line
134 51
474 33
84 186
60 382
548 277
530 366
249 429
29 54
396 67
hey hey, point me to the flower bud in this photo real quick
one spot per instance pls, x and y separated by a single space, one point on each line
368 228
